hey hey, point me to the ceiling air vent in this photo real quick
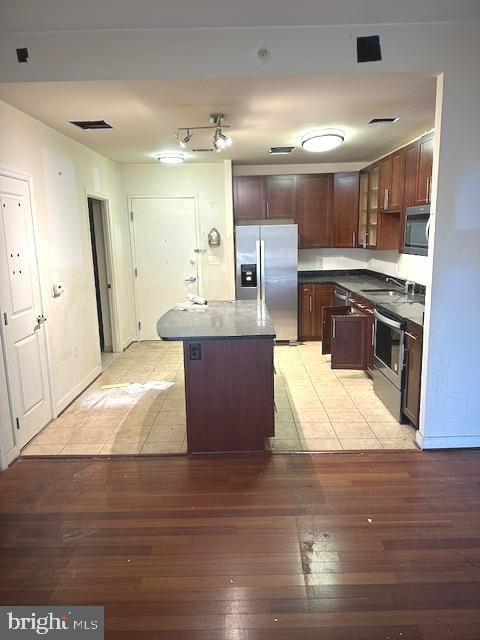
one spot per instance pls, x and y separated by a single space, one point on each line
277 151
378 121
202 150
91 124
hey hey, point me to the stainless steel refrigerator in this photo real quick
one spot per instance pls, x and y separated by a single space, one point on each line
267 269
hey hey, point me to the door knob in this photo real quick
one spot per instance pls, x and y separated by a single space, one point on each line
41 319
191 279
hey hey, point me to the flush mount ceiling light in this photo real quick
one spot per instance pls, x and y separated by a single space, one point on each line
219 142
170 158
324 140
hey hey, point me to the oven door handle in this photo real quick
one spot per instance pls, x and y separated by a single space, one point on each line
387 321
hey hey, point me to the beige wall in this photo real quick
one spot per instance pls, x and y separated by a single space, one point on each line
63 172
210 183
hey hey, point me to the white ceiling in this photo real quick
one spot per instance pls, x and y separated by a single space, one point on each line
262 112
47 15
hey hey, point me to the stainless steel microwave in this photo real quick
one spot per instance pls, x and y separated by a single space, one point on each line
417 223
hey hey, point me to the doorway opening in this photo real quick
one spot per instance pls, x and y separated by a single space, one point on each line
102 276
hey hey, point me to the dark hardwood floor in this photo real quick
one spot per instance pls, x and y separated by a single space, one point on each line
384 545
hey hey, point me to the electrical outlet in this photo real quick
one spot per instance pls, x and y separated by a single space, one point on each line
194 352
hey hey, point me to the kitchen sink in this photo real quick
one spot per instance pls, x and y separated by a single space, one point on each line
390 292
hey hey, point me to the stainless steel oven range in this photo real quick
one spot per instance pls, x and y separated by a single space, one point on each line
388 378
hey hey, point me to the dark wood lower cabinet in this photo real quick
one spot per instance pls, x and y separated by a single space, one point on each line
413 372
312 300
349 342
327 314
229 394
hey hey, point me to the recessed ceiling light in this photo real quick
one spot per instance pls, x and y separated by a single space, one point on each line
171 158
323 140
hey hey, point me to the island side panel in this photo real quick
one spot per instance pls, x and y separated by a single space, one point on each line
229 394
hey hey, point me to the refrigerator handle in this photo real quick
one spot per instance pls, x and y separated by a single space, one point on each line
259 270
262 269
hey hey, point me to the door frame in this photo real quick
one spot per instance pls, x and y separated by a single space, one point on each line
133 253
7 456
112 292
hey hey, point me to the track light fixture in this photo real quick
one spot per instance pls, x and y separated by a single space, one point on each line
220 140
183 142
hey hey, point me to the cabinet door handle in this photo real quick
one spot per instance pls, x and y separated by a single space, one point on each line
310 304
373 334
333 327
353 238
410 335
385 199
268 210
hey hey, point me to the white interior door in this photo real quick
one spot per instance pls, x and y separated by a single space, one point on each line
165 237
23 331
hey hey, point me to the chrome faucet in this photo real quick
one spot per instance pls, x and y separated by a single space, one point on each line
408 285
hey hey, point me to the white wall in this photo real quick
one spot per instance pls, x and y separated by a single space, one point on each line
391 263
63 172
209 183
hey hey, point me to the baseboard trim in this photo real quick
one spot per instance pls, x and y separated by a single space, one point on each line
126 343
77 389
448 442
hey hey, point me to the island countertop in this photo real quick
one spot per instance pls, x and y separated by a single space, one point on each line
219 320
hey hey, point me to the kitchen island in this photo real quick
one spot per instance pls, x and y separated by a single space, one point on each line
228 360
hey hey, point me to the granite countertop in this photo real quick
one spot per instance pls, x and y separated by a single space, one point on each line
400 305
220 320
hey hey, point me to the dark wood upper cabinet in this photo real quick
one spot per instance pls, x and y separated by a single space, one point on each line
280 193
424 171
349 342
249 201
327 314
411 167
392 170
313 210
345 210
413 372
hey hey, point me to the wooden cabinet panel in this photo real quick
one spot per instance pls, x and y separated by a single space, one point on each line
363 210
249 201
306 323
413 372
385 180
345 210
392 170
424 172
312 299
395 201
363 307
313 212
373 205
349 340
323 298
410 181
327 313
280 193
229 395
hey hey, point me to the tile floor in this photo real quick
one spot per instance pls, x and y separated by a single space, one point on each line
317 409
